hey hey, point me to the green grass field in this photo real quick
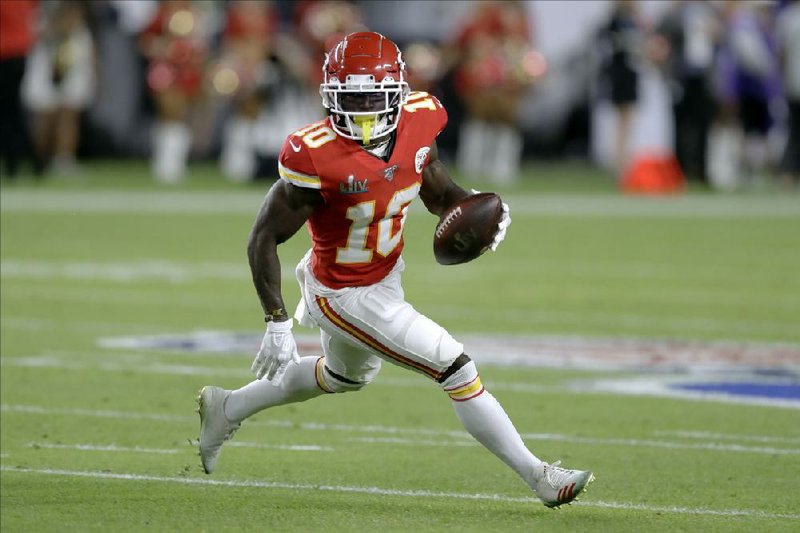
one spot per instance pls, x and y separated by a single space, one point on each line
99 438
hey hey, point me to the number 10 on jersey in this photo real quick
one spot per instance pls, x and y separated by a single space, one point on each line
361 217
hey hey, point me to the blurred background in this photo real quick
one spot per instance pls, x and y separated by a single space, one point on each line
657 95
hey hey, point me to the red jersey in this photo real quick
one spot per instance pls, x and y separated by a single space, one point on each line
17 28
357 234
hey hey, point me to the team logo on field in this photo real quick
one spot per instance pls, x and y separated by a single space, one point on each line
751 373
353 186
388 172
420 158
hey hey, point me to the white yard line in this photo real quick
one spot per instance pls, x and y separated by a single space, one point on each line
415 442
378 491
650 443
102 448
287 447
403 434
172 451
727 436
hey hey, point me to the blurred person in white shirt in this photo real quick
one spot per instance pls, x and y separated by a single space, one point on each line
59 84
788 33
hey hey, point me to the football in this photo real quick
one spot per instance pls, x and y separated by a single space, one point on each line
466 229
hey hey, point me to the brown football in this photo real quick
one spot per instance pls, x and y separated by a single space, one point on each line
467 228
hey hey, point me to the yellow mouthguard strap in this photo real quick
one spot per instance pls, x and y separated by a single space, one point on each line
366 128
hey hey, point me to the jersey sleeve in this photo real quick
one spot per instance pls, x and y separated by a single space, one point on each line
427 113
440 116
295 164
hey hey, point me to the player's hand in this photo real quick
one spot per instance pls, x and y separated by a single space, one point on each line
502 226
278 349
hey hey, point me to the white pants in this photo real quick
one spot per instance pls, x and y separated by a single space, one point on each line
360 326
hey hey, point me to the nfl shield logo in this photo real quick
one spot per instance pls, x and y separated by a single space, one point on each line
388 172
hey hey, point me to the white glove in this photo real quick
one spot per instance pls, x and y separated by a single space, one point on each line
502 226
278 348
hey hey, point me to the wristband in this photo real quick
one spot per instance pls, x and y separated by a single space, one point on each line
278 314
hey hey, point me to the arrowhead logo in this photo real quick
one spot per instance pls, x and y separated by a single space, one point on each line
420 158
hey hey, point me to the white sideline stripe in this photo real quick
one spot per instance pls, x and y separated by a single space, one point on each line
554 204
3 455
393 430
727 436
395 492
154 269
101 448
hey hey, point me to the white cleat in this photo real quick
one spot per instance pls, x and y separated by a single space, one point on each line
215 428
558 486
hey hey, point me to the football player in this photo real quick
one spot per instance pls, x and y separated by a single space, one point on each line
351 178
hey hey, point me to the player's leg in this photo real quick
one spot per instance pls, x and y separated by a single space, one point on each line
485 419
222 411
344 367
379 318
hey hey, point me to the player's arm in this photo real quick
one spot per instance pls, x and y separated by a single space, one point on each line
284 211
438 190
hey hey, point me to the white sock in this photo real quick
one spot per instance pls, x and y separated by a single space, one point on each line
504 166
171 144
238 158
484 418
298 385
722 165
469 156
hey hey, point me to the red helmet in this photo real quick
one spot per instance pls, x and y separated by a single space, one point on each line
364 86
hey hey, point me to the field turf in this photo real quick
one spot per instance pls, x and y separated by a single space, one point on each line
98 437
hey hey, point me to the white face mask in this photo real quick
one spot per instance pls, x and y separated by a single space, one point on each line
361 109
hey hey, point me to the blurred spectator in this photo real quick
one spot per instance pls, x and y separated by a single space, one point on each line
17 38
622 42
424 63
788 33
59 84
176 44
320 24
691 29
489 55
296 62
747 83
246 74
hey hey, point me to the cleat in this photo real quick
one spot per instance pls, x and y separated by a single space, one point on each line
215 428
558 486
